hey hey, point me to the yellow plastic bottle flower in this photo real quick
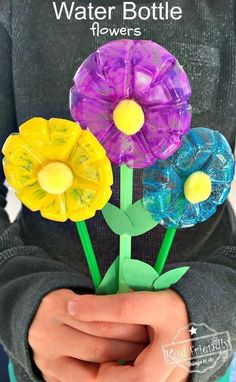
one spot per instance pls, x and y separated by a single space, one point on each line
58 169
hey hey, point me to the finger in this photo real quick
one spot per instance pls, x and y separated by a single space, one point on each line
50 379
150 366
89 348
124 332
127 308
71 370
151 362
179 375
110 371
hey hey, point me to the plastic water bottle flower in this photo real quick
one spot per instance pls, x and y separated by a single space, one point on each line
186 188
134 97
58 168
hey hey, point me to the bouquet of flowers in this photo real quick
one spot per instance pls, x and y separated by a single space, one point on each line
130 105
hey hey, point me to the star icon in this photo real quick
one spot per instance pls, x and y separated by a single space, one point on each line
193 331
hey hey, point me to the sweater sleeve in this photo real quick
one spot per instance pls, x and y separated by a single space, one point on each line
209 291
27 274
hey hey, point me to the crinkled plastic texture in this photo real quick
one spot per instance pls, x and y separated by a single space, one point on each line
147 73
41 142
202 150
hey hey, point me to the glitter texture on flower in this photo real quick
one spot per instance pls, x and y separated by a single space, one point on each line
134 97
186 188
58 169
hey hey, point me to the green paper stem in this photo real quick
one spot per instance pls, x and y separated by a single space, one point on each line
165 250
126 199
89 253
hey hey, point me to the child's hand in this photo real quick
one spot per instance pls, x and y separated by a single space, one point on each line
164 313
63 346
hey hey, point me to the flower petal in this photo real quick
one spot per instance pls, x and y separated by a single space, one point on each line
35 132
163 129
105 74
162 188
32 196
88 150
21 162
79 200
130 150
206 210
194 152
158 77
18 177
90 81
189 216
220 192
172 217
81 214
99 173
116 145
54 138
220 167
176 83
102 198
163 145
94 114
141 155
55 208
18 152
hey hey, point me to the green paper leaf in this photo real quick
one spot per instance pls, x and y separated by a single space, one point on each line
110 282
139 275
141 219
169 278
117 219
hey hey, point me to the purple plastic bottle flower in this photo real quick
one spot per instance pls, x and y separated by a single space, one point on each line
134 97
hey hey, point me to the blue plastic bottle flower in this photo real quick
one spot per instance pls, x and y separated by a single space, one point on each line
187 188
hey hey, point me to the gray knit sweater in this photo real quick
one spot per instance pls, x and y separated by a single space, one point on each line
38 58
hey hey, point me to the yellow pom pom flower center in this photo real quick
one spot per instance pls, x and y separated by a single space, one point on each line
197 187
55 178
128 117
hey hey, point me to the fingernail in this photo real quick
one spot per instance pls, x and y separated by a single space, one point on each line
72 308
